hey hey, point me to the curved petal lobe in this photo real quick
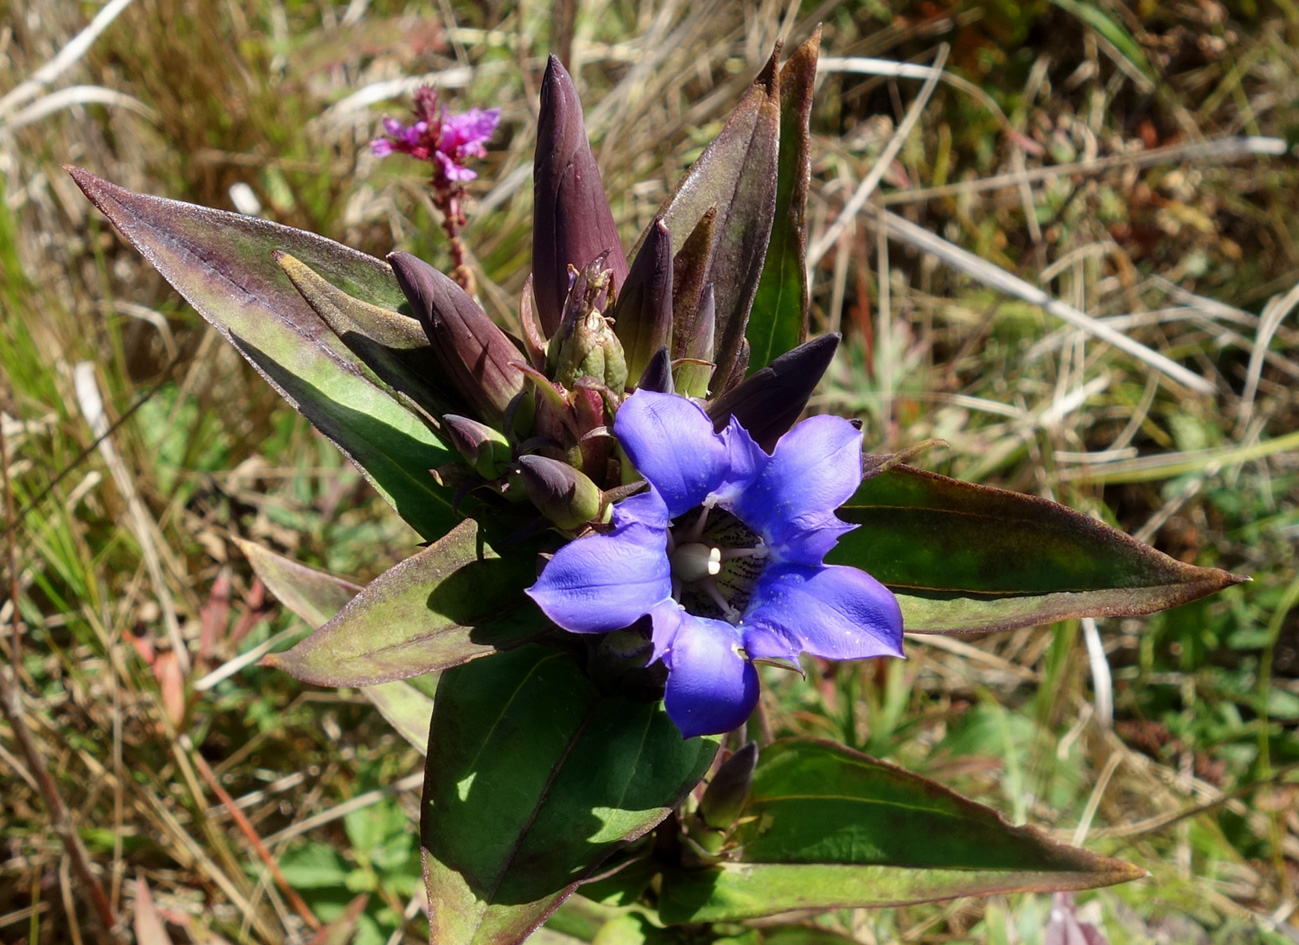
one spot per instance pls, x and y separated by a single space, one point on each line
710 688
670 441
815 469
607 582
833 612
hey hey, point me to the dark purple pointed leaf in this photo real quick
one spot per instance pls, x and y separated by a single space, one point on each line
770 401
479 359
778 321
533 779
222 264
737 175
643 314
571 223
391 344
964 558
826 828
455 601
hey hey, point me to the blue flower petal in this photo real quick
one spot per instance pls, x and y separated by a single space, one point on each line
815 468
607 582
710 688
671 442
834 612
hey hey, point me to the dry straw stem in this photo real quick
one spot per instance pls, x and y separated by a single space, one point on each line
997 278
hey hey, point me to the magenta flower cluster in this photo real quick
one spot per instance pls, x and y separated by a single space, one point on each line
447 141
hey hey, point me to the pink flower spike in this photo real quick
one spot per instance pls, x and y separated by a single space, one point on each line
448 142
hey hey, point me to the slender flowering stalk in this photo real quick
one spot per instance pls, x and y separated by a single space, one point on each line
724 554
448 143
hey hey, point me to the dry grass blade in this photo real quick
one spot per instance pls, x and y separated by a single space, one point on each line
997 278
68 56
867 187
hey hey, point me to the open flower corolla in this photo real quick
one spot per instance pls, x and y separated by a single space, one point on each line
725 554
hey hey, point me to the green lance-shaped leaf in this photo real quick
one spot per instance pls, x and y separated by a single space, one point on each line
778 321
964 558
455 601
736 175
391 344
533 778
223 264
316 596
826 827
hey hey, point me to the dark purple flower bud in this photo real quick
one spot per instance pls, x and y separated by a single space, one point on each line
643 315
477 356
571 223
696 364
561 493
657 375
769 402
484 448
725 795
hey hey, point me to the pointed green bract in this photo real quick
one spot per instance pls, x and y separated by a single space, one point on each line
778 321
533 778
316 596
455 601
967 558
826 827
392 345
313 595
223 264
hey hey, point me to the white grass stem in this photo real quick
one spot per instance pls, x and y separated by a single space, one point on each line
1201 152
867 187
997 278
67 57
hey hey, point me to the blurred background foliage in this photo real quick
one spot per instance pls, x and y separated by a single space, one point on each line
117 547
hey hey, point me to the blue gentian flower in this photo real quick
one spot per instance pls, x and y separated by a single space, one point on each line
724 553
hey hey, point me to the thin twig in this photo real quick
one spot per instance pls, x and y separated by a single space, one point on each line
250 834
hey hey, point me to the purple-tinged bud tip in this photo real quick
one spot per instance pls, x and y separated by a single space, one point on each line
572 223
561 493
479 358
769 402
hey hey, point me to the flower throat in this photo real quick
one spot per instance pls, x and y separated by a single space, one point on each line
716 560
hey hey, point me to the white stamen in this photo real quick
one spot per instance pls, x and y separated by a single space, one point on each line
694 561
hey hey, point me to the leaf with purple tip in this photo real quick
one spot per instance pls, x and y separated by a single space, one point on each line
222 264
455 601
965 558
778 322
736 175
